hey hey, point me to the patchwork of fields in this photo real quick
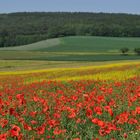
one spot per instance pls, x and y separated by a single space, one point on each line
74 49
67 89
118 71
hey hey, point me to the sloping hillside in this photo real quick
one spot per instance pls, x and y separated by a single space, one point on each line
81 44
41 45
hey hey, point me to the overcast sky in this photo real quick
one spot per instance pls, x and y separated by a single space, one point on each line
113 6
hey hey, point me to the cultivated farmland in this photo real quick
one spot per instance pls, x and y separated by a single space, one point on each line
74 49
94 102
70 88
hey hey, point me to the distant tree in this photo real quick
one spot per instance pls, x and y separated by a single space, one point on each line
124 50
137 51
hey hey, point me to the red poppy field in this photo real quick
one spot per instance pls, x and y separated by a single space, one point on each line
77 110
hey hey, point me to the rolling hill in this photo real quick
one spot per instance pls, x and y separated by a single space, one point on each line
81 44
78 48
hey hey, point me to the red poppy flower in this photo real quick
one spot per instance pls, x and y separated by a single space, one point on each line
41 130
15 131
98 110
3 136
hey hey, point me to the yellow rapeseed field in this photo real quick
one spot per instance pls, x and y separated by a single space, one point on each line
118 71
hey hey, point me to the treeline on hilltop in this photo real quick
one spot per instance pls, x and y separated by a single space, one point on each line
25 28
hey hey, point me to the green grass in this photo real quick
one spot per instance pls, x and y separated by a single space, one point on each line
41 45
81 44
74 49
52 56
94 44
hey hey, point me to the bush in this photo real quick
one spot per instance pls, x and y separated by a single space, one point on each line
137 51
124 51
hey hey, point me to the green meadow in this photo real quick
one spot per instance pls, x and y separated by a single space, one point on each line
74 49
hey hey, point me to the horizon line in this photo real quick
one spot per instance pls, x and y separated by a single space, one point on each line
70 12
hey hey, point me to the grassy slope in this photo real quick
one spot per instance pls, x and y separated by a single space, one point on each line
94 44
81 44
73 49
41 45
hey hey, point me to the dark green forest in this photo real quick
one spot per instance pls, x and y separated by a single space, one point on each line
25 28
